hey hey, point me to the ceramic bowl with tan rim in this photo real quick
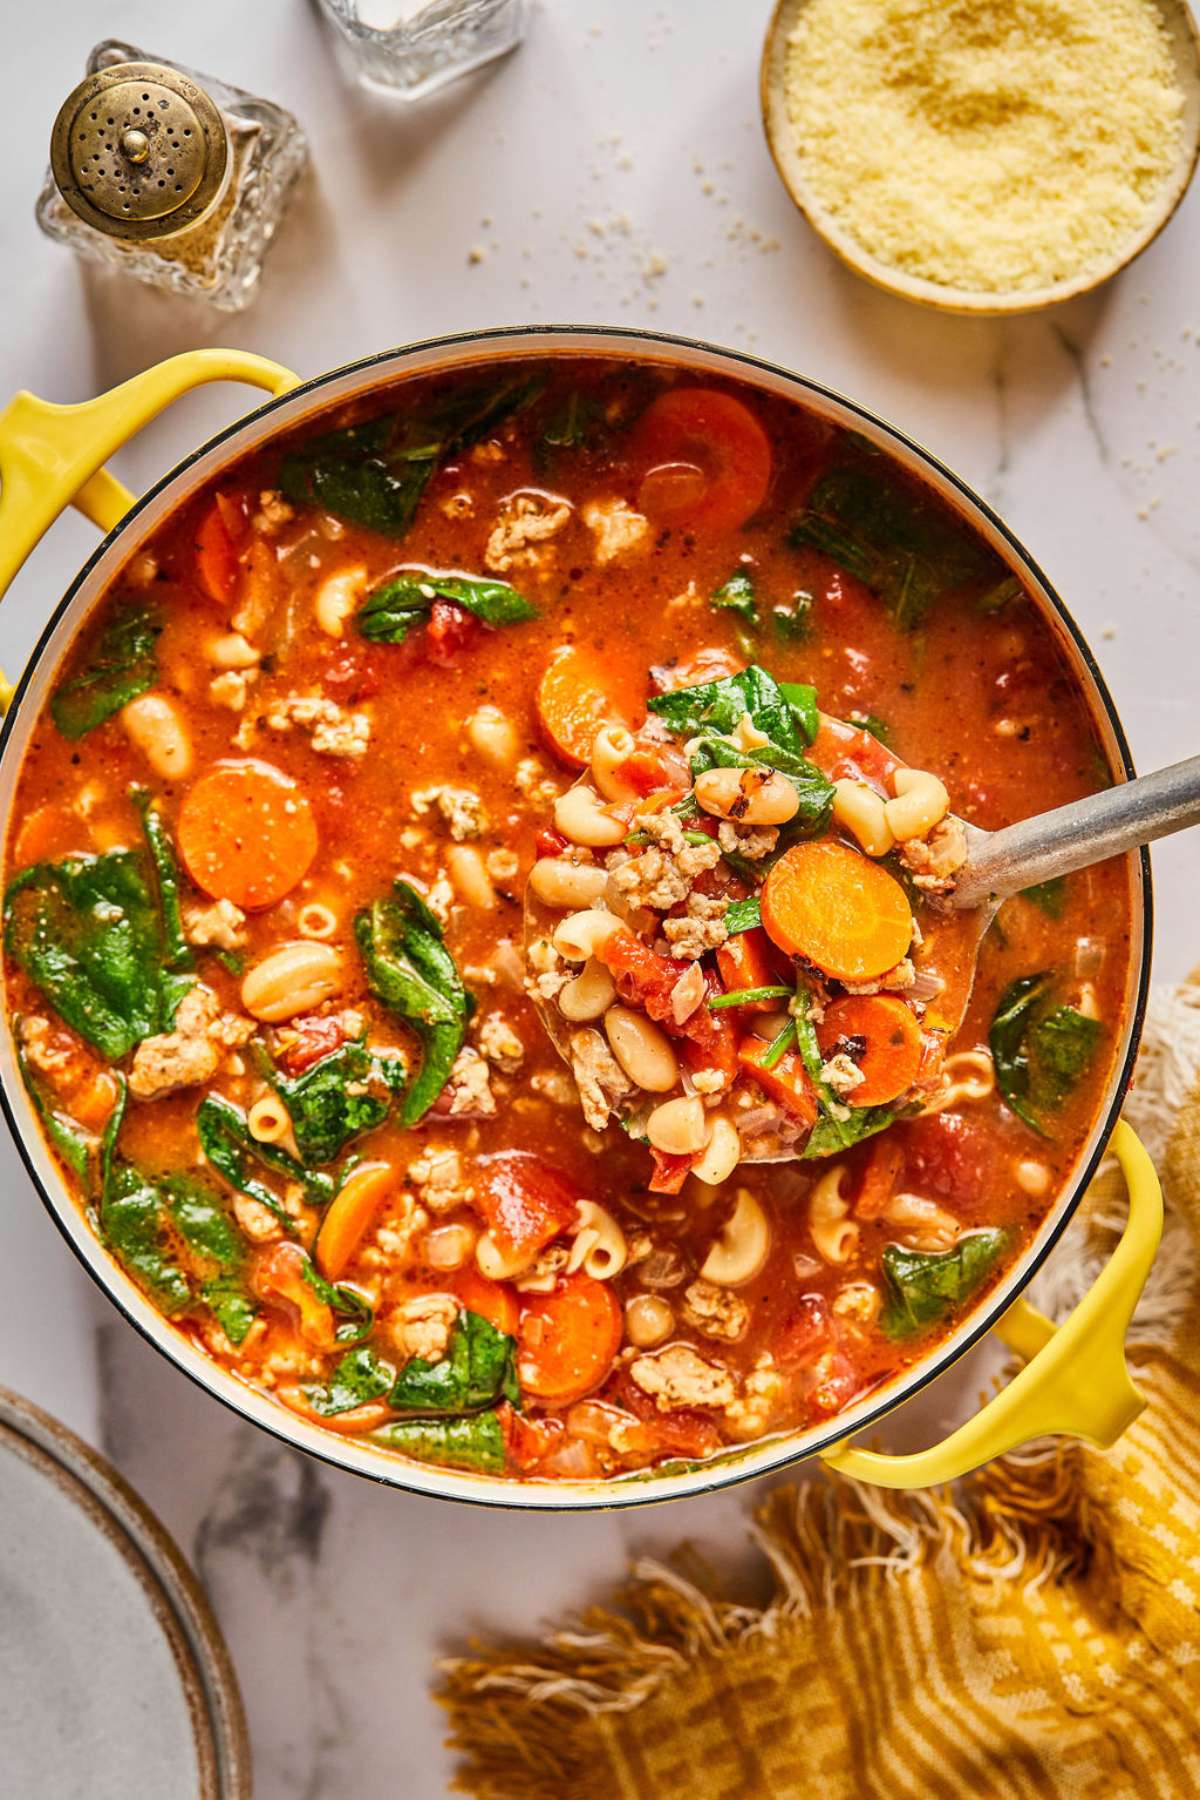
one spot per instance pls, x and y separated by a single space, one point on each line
777 110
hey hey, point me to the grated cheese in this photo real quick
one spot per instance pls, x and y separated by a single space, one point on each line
985 144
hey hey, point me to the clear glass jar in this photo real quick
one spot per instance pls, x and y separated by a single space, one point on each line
410 47
217 255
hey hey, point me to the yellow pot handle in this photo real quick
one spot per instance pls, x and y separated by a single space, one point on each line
1075 1380
52 456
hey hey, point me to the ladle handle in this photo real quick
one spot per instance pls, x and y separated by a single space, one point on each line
1076 836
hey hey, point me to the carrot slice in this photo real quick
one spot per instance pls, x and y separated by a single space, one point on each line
350 1213
891 1045
246 833
837 909
745 961
524 1202
704 460
568 1339
494 1301
577 694
217 549
786 1081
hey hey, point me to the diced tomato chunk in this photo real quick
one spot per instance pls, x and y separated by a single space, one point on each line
650 771
746 960
527 1441
945 1154
670 1172
523 1201
807 1331
314 1038
883 1165
450 630
549 843
835 1387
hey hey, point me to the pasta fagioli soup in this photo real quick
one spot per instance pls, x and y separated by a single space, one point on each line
478 919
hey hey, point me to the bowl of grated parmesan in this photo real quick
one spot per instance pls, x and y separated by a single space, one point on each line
984 156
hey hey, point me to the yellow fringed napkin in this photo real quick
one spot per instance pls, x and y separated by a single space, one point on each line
1033 1632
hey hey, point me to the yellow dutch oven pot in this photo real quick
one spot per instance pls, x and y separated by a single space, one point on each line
1074 1380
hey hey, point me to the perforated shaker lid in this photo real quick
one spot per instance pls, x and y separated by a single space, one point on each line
139 151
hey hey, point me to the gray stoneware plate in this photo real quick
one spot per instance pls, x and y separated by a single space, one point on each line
114 1678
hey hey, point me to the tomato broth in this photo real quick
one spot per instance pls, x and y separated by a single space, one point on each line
293 1025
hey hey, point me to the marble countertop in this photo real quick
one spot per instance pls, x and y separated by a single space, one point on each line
613 170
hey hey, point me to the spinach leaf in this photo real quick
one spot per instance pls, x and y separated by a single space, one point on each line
393 610
814 790
473 1443
338 1098
359 1377
743 915
374 474
478 1368
177 951
1000 595
86 932
411 971
119 664
876 727
736 595
903 546
787 715
793 621
146 1219
230 1305
132 1224
1062 1044
568 428
71 1141
1050 896
226 1141
355 1311
923 1286
1039 1051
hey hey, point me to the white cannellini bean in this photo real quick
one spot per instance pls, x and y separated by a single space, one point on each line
581 935
468 871
292 980
492 736
490 1261
610 747
722 1153
742 1247
156 728
579 815
921 803
679 1127
643 1051
337 598
649 1320
589 995
751 796
859 810
233 651
556 882
1033 1177
448 1246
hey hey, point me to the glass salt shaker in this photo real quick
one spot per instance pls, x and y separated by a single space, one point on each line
170 176
407 48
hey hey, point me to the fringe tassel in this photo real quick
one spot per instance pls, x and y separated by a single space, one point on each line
533 1724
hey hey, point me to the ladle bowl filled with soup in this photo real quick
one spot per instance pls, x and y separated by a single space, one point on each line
482 990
